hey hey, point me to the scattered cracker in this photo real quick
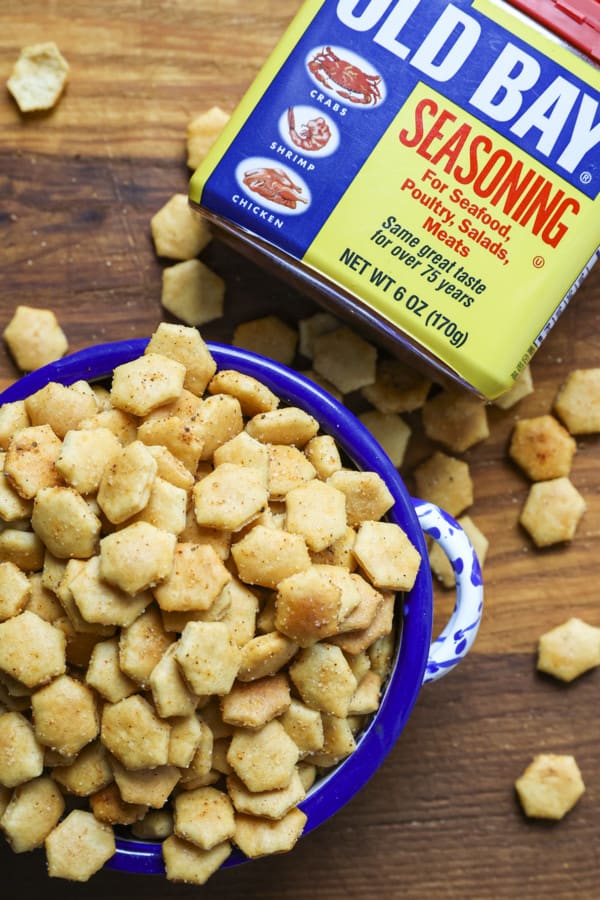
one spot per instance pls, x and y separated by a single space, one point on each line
456 419
397 388
552 511
178 232
312 327
345 359
390 431
569 650
192 292
578 401
34 338
268 336
445 481
550 786
202 132
542 448
38 77
522 387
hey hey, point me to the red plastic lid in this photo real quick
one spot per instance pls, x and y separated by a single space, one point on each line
576 21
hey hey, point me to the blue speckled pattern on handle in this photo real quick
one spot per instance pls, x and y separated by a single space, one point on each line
456 639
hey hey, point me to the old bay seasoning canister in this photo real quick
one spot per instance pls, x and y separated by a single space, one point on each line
430 168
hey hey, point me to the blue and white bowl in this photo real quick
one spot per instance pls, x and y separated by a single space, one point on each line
419 660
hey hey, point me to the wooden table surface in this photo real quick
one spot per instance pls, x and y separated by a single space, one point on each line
77 189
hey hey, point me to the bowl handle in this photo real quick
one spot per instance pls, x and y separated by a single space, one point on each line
456 639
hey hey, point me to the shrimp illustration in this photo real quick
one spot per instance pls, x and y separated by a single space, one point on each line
311 135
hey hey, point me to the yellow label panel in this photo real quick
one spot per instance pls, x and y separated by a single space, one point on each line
454 234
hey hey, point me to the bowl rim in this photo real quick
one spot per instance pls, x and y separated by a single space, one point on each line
405 680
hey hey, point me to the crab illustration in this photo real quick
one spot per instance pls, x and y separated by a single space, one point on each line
274 185
344 78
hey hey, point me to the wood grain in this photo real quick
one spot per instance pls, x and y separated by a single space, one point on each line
77 189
